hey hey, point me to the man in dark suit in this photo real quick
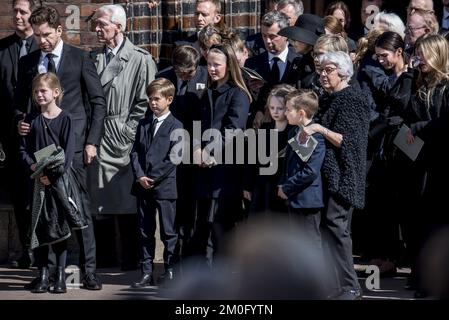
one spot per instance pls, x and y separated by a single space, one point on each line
83 99
155 178
207 12
13 47
190 80
275 64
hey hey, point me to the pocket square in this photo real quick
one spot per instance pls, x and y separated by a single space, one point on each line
200 86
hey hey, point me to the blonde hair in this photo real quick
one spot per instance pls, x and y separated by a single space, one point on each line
51 80
367 43
232 67
333 25
306 100
435 50
279 91
331 42
163 86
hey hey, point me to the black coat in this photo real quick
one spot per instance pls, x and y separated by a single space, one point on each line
9 64
186 108
223 108
344 168
83 94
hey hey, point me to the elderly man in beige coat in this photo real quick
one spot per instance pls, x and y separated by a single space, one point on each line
125 71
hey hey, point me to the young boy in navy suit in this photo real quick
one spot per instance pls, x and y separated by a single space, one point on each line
300 183
155 178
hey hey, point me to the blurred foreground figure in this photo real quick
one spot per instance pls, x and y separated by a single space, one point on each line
268 260
434 265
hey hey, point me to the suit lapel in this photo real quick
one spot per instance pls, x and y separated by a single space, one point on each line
65 51
116 65
14 57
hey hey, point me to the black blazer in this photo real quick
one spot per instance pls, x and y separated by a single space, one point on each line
261 64
301 181
150 156
186 108
83 94
9 63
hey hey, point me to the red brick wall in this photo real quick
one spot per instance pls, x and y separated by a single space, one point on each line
155 29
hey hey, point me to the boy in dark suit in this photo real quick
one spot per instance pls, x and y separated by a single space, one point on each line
301 181
152 163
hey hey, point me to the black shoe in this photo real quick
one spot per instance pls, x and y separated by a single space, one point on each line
166 277
145 281
349 295
60 285
91 282
31 285
43 282
420 294
411 285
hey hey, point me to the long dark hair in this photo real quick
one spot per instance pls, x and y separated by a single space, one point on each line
391 41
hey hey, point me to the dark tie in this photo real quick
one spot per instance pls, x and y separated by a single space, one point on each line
51 63
23 49
109 57
275 73
153 126
183 88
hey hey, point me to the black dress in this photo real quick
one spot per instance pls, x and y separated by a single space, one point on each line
266 186
45 132
51 226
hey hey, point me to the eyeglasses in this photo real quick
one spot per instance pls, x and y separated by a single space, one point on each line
411 10
414 28
327 70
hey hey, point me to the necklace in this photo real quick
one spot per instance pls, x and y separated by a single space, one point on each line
47 122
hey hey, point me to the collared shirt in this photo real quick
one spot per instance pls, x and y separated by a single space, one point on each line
116 49
43 61
282 64
445 23
159 121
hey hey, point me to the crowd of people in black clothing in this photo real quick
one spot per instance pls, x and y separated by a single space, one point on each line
337 112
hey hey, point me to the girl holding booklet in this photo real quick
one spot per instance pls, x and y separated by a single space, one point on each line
47 152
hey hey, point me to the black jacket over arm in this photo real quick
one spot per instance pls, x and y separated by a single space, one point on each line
83 94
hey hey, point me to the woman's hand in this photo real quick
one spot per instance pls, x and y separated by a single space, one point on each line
247 195
306 132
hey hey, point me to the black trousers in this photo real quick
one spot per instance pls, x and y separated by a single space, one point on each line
185 210
42 254
146 209
216 217
338 243
86 236
308 220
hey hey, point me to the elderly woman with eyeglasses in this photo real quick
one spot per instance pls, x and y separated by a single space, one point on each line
344 125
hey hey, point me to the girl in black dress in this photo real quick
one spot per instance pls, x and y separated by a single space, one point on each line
49 226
